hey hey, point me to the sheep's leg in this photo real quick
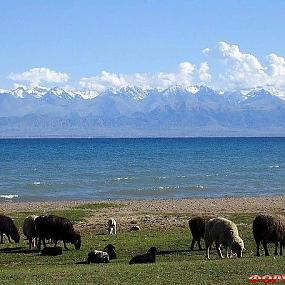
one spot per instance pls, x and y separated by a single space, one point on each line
265 248
208 251
9 239
39 243
276 249
218 247
227 252
55 243
44 243
65 247
1 237
30 243
192 244
115 230
199 243
257 247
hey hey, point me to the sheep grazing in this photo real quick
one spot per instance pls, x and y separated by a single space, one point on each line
51 251
223 232
8 228
149 257
112 226
197 228
97 256
56 228
29 230
269 229
110 249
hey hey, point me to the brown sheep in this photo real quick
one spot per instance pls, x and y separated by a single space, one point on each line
197 228
269 229
8 228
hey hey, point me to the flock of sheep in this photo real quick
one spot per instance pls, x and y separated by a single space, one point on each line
220 231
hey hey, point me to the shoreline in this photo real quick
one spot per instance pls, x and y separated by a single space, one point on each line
182 205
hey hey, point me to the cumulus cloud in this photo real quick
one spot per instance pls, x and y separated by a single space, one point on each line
204 72
38 75
244 70
104 80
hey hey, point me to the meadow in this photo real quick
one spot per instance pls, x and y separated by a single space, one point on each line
21 266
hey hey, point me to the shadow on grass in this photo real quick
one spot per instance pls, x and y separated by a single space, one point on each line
18 250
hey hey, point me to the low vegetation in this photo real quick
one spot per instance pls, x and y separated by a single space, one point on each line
21 266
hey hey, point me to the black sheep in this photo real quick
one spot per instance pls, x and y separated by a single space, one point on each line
148 257
8 228
51 251
110 249
56 228
269 229
197 228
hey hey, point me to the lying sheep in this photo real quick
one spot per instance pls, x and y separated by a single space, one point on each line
29 230
149 257
223 232
110 249
56 228
51 251
8 228
97 256
269 229
112 226
197 228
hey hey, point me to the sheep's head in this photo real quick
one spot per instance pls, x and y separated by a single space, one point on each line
16 236
152 250
238 247
77 240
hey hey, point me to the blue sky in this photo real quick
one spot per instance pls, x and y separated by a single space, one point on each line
80 39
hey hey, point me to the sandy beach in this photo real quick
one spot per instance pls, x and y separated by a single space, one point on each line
148 214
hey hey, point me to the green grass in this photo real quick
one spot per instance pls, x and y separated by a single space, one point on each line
179 268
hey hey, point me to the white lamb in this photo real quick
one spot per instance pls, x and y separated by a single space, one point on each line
223 232
112 226
29 230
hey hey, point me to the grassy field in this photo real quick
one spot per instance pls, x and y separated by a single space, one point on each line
20 266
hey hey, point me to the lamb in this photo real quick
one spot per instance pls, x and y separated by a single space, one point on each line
56 228
110 249
197 228
269 229
7 227
97 256
223 232
29 230
112 226
149 257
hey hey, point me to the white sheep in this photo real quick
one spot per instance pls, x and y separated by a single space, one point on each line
112 226
223 232
29 230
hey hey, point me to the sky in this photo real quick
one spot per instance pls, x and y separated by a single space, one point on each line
149 43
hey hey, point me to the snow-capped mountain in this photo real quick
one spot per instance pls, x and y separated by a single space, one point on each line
134 111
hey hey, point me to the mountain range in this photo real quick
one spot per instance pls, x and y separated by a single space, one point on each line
177 111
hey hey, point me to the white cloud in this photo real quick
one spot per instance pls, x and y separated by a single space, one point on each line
37 75
104 80
204 72
241 70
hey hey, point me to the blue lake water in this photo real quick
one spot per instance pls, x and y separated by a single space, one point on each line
65 169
